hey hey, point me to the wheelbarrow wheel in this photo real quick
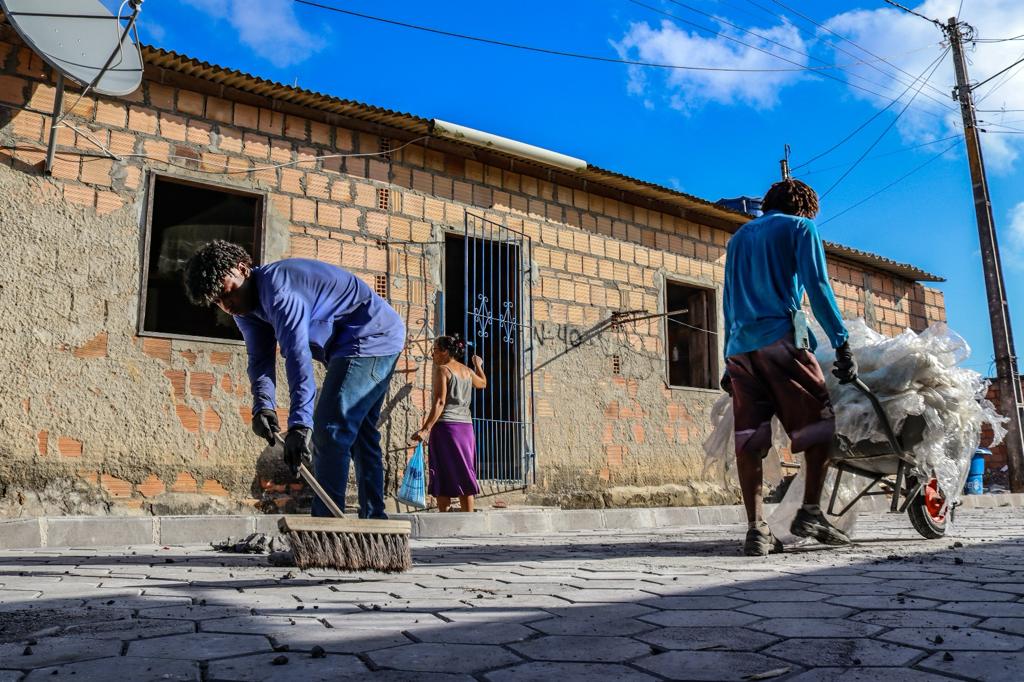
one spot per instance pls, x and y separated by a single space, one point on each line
928 511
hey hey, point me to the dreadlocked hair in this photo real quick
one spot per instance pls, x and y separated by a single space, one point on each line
452 345
792 197
206 269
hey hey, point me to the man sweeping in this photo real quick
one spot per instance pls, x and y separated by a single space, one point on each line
312 310
770 367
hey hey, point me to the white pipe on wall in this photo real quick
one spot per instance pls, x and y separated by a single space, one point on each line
454 131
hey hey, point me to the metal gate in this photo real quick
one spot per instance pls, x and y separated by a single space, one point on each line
496 320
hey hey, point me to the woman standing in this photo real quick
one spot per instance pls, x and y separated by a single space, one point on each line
449 425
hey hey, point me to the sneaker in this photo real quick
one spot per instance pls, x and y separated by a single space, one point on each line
761 542
816 526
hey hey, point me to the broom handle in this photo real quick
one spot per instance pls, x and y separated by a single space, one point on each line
307 475
311 481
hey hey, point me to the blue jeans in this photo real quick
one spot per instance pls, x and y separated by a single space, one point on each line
345 430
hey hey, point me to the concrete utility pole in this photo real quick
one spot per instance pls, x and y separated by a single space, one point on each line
1011 402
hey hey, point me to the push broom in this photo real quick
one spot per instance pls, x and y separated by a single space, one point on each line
345 543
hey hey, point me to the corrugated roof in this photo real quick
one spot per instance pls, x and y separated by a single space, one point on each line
415 125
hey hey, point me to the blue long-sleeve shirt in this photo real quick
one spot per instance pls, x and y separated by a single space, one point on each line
769 263
313 310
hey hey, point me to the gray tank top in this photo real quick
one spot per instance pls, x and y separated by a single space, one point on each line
460 397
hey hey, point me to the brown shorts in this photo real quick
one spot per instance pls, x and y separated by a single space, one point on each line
779 379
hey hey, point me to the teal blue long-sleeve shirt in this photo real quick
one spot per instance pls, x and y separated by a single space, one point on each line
769 264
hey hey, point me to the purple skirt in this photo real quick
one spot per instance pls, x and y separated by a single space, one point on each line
451 460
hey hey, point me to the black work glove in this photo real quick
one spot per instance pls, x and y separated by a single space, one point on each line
297 448
265 425
726 383
845 368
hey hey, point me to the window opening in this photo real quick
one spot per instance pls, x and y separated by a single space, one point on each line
182 217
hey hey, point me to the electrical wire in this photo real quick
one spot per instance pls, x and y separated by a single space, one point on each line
934 66
541 50
858 46
764 38
998 73
767 52
879 156
916 14
891 184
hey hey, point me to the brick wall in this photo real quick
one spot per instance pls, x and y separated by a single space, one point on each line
183 405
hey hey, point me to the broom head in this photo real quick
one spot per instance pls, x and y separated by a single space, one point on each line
348 544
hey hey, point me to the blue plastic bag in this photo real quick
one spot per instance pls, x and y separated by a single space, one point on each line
413 490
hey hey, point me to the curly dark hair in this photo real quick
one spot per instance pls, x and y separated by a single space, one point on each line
791 197
452 345
205 270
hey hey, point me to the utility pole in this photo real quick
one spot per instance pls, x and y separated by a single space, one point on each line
1011 402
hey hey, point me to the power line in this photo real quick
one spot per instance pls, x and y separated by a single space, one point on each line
916 14
761 37
891 184
934 65
901 150
856 45
540 50
998 73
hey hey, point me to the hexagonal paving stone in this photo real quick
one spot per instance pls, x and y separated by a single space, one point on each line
567 672
135 628
582 648
986 609
491 615
685 602
49 651
965 639
797 610
914 619
305 633
884 602
816 627
194 612
120 668
588 596
200 646
842 652
988 666
457 658
1012 625
703 638
300 666
698 618
762 596
10 676
863 675
591 626
724 666
475 633
948 592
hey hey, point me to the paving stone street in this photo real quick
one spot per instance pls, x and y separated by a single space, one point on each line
671 603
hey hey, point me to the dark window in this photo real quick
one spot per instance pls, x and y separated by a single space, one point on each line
182 217
689 330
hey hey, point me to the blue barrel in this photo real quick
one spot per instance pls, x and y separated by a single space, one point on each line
976 475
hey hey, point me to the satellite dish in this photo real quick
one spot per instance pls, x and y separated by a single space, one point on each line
81 40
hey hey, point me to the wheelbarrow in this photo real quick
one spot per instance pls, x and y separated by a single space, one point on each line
892 469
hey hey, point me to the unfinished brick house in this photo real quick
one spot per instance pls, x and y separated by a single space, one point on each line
118 397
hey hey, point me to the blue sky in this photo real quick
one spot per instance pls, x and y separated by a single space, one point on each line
713 134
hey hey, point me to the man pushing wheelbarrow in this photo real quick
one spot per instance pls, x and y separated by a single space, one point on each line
770 366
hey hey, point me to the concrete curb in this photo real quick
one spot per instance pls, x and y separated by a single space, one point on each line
87 532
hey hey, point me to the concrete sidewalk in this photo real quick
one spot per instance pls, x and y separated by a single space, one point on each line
108 531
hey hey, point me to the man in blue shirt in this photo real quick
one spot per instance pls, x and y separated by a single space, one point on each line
312 310
770 367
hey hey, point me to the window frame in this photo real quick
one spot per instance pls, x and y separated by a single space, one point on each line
259 241
714 291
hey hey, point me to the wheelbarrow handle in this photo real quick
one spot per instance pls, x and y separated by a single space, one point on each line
890 435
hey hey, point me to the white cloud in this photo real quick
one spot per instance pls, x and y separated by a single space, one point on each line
689 90
1015 234
888 31
269 28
